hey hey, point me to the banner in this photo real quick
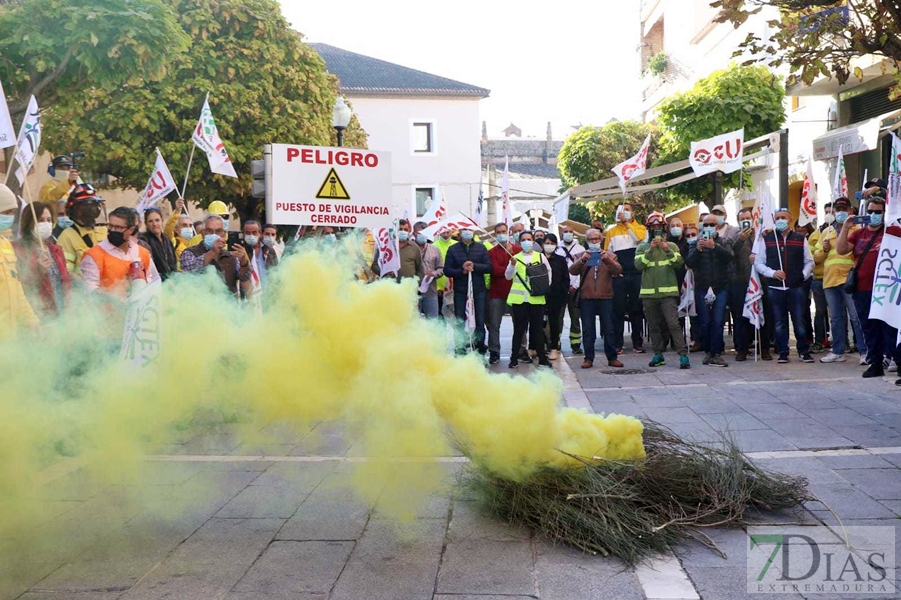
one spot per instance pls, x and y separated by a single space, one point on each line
7 131
687 306
720 153
753 310
470 324
633 167
893 204
452 223
840 183
506 204
160 185
561 210
389 258
206 137
808 197
29 139
436 210
143 320
886 302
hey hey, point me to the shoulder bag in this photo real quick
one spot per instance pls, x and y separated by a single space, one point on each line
850 285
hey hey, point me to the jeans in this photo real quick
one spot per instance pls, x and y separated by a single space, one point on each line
478 336
741 327
590 310
663 322
785 302
626 299
841 304
429 306
710 320
878 334
531 316
821 306
555 308
496 309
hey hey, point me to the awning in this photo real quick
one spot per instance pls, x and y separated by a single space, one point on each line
859 137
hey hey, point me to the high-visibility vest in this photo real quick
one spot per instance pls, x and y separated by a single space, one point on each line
114 270
518 292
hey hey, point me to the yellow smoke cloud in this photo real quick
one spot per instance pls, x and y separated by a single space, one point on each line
327 349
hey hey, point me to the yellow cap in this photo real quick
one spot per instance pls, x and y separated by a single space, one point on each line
218 207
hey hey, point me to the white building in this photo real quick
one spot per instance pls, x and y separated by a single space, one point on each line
430 124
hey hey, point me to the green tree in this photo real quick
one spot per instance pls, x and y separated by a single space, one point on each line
590 154
821 37
265 86
579 213
54 48
748 97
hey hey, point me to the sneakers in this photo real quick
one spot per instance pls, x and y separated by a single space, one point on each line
873 371
863 360
816 349
553 355
587 364
524 354
615 363
684 363
783 358
657 361
639 350
806 358
544 362
706 360
577 350
717 361
513 364
831 358
494 358
892 367
741 356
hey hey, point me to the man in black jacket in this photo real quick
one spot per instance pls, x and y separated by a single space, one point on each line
742 246
469 257
711 259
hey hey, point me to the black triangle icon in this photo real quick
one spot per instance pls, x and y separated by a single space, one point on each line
332 188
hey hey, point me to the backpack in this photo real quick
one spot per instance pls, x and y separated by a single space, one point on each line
539 277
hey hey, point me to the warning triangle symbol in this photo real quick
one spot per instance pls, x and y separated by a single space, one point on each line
332 188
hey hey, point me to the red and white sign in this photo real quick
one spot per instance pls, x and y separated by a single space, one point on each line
452 223
808 197
753 310
720 153
633 167
389 257
160 185
436 211
318 185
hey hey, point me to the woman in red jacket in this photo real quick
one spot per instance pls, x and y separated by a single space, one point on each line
43 274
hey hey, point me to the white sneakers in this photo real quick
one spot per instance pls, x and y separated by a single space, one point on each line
831 358
863 360
892 367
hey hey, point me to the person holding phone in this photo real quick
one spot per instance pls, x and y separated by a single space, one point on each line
233 266
596 270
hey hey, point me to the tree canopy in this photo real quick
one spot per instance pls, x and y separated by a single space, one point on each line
821 37
53 48
265 86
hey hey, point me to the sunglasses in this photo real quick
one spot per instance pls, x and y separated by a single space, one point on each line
875 212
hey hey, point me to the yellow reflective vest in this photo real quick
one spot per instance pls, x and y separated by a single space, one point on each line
835 266
518 292
72 242
15 311
658 270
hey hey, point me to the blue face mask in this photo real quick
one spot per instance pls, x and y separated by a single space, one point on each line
6 222
209 240
64 222
675 231
421 239
403 236
186 233
515 238
224 223
720 220
526 246
876 219
841 216
692 241
781 224
501 238
251 240
594 247
567 237
466 235
332 238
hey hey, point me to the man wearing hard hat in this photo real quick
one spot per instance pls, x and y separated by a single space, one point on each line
15 311
83 207
63 175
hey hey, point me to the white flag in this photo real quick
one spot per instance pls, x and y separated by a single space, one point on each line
763 211
160 185
893 205
561 209
687 306
808 197
885 304
753 310
470 324
143 320
436 211
206 136
7 131
633 167
840 183
451 223
720 153
29 139
389 258
506 204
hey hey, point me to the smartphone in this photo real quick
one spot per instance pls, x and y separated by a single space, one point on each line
705 235
858 195
745 224
861 220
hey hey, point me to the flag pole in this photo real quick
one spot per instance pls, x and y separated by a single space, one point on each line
184 188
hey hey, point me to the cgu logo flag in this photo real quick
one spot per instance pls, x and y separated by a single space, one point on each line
161 184
753 310
389 259
721 153
633 167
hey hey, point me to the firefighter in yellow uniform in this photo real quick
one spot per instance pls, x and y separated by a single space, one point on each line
83 207
179 228
15 311
64 176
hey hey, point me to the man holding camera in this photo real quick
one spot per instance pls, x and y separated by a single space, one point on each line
711 261
64 175
233 267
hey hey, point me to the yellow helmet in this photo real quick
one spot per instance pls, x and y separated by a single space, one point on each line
218 207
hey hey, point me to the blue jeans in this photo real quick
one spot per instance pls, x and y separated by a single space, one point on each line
590 311
841 304
478 336
785 303
710 320
429 306
879 335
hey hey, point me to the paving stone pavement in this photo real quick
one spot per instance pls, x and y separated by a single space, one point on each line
278 520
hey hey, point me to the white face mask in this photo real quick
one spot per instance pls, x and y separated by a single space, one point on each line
44 230
61 175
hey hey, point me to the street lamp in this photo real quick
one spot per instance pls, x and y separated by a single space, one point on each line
340 118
